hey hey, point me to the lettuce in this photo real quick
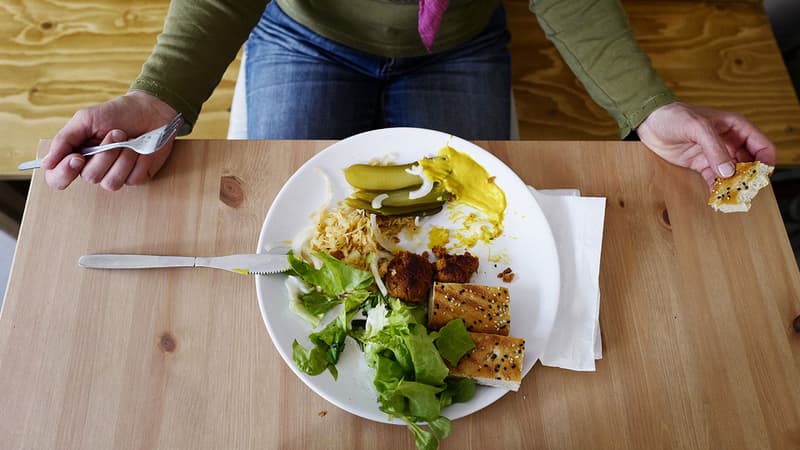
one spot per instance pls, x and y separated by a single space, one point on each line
411 377
332 284
453 341
428 365
333 278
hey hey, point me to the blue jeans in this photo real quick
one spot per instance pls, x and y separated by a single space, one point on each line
301 85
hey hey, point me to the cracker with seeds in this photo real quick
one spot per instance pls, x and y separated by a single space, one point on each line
734 194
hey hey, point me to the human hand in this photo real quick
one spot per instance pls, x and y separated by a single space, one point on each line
113 121
706 140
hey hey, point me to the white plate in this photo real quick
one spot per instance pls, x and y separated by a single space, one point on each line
526 241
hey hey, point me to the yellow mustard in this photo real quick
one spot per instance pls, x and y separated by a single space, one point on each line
470 184
438 237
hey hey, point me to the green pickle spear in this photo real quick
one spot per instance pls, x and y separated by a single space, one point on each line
401 197
396 183
427 209
381 178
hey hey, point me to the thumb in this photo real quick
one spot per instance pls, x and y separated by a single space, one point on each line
714 150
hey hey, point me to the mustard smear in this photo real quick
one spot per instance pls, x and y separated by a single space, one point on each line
470 185
438 237
241 271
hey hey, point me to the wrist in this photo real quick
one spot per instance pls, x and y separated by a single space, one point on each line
653 105
162 108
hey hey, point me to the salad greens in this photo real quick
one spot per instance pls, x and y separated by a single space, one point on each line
315 291
411 377
453 341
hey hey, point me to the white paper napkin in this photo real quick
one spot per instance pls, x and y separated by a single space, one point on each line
577 226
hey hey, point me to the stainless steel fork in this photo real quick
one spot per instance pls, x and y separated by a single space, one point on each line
148 143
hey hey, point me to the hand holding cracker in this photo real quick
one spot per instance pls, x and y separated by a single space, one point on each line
706 140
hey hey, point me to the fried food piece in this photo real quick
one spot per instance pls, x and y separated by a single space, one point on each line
409 277
484 309
454 268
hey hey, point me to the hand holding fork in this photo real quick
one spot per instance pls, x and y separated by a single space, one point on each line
133 114
148 143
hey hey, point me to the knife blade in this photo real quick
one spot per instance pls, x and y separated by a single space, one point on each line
253 264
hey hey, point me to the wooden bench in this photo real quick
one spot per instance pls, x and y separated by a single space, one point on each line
61 56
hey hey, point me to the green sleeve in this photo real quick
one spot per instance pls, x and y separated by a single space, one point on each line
200 39
597 43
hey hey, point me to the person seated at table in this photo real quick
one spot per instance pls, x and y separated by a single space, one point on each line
331 69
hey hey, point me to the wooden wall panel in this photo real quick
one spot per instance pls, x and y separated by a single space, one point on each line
57 56
720 55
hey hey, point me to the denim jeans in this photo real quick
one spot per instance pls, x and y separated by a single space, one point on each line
301 85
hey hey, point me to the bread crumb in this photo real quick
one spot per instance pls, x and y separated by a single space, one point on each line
322 413
506 275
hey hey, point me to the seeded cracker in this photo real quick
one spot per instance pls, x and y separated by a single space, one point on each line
735 193
484 309
495 361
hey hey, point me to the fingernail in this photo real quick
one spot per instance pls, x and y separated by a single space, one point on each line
76 163
726 169
117 135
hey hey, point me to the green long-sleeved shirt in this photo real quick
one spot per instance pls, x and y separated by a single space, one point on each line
201 38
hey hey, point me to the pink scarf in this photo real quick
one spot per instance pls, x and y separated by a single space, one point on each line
430 19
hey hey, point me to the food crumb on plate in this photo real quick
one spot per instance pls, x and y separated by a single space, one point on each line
507 275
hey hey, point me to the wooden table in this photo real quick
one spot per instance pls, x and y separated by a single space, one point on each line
697 310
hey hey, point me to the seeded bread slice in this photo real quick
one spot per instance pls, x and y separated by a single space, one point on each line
735 193
495 361
484 309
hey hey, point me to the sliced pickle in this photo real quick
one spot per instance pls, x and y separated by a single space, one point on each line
400 197
426 209
381 178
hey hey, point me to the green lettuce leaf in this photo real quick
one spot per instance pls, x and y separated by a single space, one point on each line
441 427
423 403
460 390
334 277
313 292
453 341
330 341
318 303
311 362
424 439
428 365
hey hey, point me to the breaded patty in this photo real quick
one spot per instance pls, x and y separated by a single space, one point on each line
409 277
454 268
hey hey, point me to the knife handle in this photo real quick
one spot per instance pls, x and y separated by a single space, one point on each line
134 261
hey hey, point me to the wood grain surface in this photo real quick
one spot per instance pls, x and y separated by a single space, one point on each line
696 315
57 57
719 55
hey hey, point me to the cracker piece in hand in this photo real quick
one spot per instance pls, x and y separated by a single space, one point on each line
735 193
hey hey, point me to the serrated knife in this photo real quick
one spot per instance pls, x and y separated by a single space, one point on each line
260 264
